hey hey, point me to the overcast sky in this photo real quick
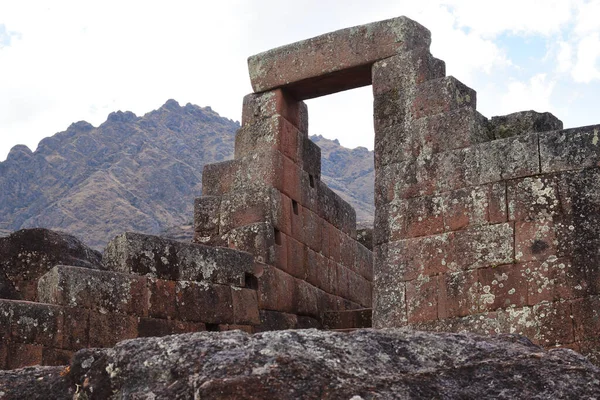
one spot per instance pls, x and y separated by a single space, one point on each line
66 61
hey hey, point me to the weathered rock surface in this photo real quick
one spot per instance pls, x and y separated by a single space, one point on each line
135 253
28 254
523 122
311 364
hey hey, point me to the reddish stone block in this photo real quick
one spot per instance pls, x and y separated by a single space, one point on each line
248 206
34 323
503 286
258 106
274 320
390 222
23 355
458 294
335 251
465 207
348 251
342 281
482 246
291 179
297 221
591 350
502 159
163 299
108 329
264 168
411 67
206 217
148 327
296 259
424 216
497 203
389 303
307 303
535 240
586 316
276 290
356 49
359 290
533 198
204 302
3 354
245 306
312 268
283 218
76 328
422 299
53 356
275 133
569 149
311 163
555 323
325 237
442 95
331 273
424 256
257 239
312 225
281 251
218 178
364 262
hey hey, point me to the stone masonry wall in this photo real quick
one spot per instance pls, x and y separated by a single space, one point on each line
149 286
475 230
271 202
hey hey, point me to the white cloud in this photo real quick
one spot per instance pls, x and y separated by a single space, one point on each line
564 57
587 67
533 94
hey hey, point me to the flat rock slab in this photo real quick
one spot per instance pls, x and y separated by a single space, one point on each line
311 364
28 254
335 61
135 253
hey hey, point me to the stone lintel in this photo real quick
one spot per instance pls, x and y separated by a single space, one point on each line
335 61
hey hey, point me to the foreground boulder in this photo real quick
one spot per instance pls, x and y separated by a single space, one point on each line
28 254
311 364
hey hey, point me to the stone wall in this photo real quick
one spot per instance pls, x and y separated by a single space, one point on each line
271 202
148 286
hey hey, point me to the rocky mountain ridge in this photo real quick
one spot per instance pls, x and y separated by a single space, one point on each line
141 174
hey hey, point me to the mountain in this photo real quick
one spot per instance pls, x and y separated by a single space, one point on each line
141 174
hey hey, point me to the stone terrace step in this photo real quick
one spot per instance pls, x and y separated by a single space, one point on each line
134 253
347 320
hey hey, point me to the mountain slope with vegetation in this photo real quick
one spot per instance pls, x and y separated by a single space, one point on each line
141 174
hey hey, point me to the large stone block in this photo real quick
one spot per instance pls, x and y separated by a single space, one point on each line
533 198
206 217
441 96
204 302
107 329
275 133
406 70
103 291
570 149
503 286
219 178
31 323
245 306
361 318
502 159
259 106
277 290
523 122
135 253
335 61
28 254
451 130
257 239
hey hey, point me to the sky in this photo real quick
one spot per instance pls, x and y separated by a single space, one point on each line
65 61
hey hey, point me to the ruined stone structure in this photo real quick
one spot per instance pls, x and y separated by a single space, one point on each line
481 225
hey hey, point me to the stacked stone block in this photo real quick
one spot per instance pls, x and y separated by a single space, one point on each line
270 201
150 287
